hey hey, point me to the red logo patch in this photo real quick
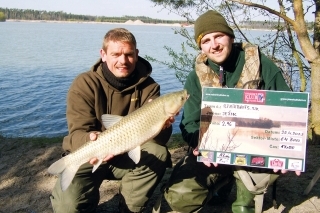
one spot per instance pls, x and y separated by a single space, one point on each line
254 97
276 163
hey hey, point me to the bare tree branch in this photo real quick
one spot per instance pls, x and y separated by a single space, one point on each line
235 23
286 18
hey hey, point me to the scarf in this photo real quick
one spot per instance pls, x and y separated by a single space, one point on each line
119 83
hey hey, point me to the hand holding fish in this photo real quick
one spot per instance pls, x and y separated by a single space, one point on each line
144 124
168 122
93 136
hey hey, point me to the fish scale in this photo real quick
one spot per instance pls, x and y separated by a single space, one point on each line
127 134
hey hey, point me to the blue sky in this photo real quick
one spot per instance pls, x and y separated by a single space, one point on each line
95 7
108 8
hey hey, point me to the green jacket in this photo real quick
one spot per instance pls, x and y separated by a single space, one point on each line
91 96
270 79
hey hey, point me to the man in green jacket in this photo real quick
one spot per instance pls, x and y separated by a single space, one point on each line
118 83
222 63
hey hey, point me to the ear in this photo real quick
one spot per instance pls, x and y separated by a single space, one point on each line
137 53
103 55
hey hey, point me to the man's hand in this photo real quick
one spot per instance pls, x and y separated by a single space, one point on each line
196 153
168 122
93 136
298 173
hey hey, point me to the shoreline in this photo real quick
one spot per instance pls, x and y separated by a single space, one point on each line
130 22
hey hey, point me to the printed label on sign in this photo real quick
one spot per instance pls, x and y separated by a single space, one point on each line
227 124
223 157
257 161
240 160
294 164
256 97
277 163
206 156
290 147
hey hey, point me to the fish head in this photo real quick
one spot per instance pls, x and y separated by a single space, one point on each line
174 102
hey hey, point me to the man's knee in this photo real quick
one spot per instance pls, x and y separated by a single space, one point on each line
185 198
62 201
183 192
73 200
63 204
154 150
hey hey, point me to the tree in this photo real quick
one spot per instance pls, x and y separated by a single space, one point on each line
283 45
2 17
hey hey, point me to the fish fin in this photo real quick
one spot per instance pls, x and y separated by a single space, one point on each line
134 154
57 167
109 120
67 176
95 166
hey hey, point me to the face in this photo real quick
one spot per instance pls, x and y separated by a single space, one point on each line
217 46
121 58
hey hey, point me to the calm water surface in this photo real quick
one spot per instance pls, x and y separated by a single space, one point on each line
38 62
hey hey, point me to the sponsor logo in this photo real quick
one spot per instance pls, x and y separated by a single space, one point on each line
277 163
206 156
223 157
254 97
257 161
240 160
295 164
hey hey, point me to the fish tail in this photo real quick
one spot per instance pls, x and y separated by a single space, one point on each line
67 172
57 167
67 175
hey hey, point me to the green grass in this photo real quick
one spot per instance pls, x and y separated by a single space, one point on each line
35 141
176 140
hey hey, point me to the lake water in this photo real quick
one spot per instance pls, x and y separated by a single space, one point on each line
38 62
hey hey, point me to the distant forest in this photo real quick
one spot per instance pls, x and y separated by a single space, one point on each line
29 14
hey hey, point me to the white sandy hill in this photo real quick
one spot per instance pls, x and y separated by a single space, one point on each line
138 22
129 22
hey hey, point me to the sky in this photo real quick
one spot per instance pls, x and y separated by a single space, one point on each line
106 8
109 8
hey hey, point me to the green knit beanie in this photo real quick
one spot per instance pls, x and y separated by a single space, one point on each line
209 22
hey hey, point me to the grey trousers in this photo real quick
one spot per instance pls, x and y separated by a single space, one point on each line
137 181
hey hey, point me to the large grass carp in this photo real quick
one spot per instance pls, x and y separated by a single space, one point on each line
122 134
